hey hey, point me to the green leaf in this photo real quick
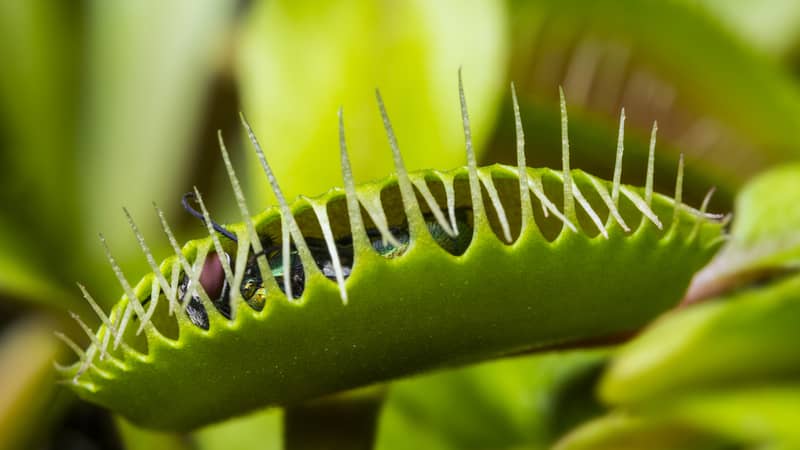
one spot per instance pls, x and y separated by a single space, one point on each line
135 438
621 431
299 61
753 415
344 421
733 111
261 430
24 281
744 338
517 401
772 26
398 318
27 350
38 99
757 416
150 66
765 238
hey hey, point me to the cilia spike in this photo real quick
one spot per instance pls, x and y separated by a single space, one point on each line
373 282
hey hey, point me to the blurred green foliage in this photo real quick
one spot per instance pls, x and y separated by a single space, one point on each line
104 104
724 371
301 61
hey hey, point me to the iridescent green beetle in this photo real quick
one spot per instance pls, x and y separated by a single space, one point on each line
252 288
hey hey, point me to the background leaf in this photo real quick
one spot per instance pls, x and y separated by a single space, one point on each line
300 61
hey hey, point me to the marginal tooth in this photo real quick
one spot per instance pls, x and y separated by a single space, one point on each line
106 320
535 184
193 273
71 344
286 259
702 212
89 333
478 213
255 242
707 200
155 293
321 211
494 197
222 255
287 219
357 229
588 208
149 255
374 208
242 254
436 210
414 215
618 161
569 202
176 273
61 368
86 362
524 192
134 301
123 324
651 157
85 358
678 192
612 208
187 268
538 184
194 287
450 196
642 206
107 340
99 311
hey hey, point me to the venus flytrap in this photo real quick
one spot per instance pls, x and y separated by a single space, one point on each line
726 371
764 240
378 281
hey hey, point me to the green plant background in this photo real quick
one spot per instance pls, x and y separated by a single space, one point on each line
105 104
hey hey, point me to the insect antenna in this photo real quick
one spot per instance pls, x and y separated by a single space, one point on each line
198 215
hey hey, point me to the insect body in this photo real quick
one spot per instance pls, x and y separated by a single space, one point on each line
252 281
252 287
365 284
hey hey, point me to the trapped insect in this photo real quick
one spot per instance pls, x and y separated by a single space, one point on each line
252 288
363 284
